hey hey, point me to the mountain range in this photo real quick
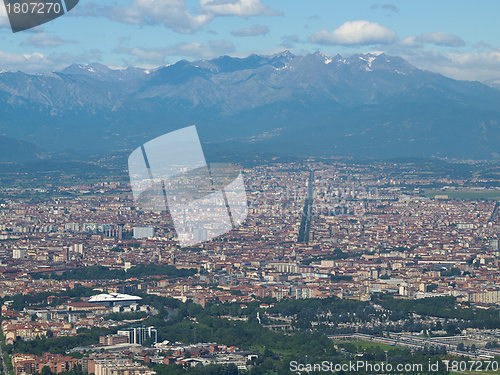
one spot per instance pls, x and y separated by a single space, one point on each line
366 105
13 150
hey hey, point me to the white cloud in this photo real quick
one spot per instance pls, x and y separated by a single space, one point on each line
43 40
390 7
482 46
438 38
469 66
158 55
4 19
240 8
251 31
209 50
39 62
410 42
441 38
289 41
153 55
171 13
24 62
174 14
474 66
355 33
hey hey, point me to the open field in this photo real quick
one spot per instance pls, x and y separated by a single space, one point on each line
466 194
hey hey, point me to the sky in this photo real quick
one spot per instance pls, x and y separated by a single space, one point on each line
459 39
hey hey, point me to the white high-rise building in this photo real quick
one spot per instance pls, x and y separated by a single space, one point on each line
78 248
139 334
143 232
18 253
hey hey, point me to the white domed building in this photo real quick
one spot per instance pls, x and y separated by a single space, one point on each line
115 299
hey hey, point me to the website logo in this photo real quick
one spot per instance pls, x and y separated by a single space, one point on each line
205 201
25 14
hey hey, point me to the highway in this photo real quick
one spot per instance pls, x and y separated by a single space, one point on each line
409 341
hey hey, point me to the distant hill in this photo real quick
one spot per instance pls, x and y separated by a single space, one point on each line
363 105
13 150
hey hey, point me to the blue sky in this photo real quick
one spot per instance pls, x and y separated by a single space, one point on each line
458 39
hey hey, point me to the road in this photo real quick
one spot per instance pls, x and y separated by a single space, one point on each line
5 370
495 212
305 225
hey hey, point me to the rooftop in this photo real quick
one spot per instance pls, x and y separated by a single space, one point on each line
113 297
